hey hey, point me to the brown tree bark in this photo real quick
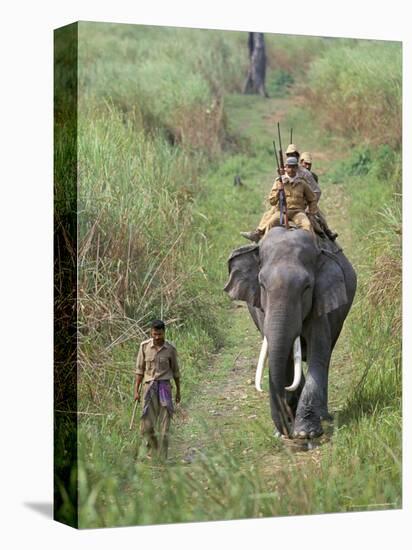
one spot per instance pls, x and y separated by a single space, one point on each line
255 81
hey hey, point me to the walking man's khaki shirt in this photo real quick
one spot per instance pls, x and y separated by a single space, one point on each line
157 365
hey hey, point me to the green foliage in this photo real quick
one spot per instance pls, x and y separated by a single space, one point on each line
293 54
357 91
361 164
162 78
371 416
279 83
382 164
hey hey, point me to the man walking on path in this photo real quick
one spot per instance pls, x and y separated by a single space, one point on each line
156 365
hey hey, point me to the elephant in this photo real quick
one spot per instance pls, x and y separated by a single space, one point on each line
299 290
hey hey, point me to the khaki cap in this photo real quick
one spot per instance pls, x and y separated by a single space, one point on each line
306 157
291 149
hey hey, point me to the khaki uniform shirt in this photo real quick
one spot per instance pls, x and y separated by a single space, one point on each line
157 365
307 175
298 195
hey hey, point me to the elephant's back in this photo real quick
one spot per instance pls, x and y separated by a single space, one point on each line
288 240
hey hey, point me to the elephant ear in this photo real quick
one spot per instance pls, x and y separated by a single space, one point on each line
330 286
243 283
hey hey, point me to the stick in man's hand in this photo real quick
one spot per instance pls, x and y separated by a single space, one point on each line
133 414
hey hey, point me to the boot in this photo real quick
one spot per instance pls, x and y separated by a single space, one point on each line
254 236
331 234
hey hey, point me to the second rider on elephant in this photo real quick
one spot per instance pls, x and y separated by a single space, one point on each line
300 199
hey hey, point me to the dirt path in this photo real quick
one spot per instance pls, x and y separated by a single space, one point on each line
226 398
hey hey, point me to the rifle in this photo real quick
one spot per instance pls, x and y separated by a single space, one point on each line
282 197
282 165
291 135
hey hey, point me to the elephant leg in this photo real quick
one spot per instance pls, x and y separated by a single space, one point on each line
313 403
324 411
335 321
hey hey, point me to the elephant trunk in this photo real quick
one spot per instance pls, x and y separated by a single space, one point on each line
282 329
278 360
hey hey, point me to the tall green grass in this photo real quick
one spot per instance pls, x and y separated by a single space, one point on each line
357 91
377 332
142 252
150 119
293 53
163 78
354 91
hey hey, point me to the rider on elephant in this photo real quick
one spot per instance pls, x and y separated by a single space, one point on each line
306 163
302 173
301 202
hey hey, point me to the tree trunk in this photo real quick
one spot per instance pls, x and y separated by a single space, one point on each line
255 81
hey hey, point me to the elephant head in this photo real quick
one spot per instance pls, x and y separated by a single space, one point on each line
296 293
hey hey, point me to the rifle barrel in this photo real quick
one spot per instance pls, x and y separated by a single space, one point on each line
280 140
276 155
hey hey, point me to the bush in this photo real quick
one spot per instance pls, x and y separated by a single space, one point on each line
279 83
357 92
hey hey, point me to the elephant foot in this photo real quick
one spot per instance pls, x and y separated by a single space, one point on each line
312 434
308 428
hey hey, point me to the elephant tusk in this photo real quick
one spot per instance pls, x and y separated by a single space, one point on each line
297 356
261 363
